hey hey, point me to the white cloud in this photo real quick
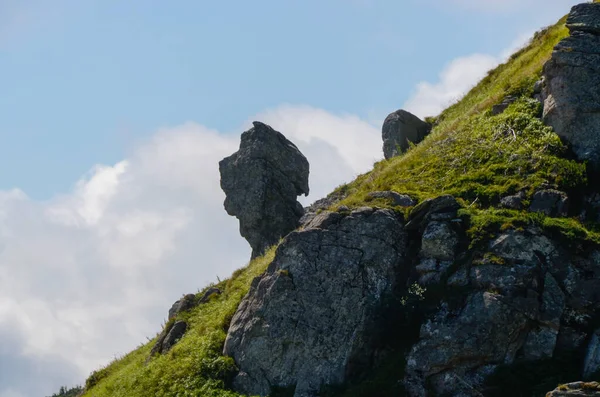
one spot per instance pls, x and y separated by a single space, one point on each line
88 275
429 99
457 78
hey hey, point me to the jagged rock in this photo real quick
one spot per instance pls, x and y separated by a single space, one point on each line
457 342
572 84
311 319
175 333
550 202
397 199
321 205
514 202
186 303
514 310
575 389
261 182
506 102
442 208
172 332
400 128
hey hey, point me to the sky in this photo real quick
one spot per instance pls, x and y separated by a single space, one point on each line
114 115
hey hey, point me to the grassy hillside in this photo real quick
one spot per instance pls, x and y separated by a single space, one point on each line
471 154
194 366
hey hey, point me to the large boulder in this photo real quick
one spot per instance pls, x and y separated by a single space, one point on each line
261 182
312 318
571 90
400 128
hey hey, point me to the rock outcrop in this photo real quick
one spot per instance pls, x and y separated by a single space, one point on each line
525 299
575 389
261 182
571 90
400 128
311 319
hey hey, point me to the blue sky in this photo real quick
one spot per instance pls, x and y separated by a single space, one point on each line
114 115
82 82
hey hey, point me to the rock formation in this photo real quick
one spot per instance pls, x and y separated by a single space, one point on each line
571 90
311 319
525 299
400 128
261 182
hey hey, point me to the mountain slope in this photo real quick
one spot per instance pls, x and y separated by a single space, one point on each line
472 154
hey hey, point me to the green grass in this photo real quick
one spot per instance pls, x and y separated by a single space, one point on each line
194 366
473 155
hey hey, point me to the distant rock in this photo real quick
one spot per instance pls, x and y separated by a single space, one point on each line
572 84
400 128
212 291
261 182
186 303
506 102
550 202
173 331
311 319
396 199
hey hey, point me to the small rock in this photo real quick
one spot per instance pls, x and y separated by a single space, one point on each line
514 202
506 102
550 202
576 389
172 332
173 336
400 128
439 241
397 199
212 291
184 304
440 208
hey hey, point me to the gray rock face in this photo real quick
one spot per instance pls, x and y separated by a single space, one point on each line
550 202
572 84
261 182
310 320
442 208
400 128
513 310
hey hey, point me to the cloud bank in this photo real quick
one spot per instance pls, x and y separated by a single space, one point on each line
89 275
